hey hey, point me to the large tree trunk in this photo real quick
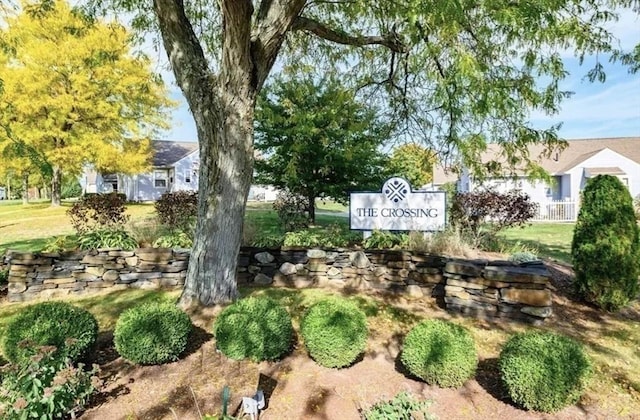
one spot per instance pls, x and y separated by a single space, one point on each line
222 106
226 167
25 188
56 186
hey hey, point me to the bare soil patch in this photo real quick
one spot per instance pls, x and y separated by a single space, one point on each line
298 388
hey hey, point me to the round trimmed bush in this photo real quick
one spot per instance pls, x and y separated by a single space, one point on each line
335 332
543 371
256 328
152 333
72 330
440 353
606 245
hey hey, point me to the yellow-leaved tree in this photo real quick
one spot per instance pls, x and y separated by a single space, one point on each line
74 94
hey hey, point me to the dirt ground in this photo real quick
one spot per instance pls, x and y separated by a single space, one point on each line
298 388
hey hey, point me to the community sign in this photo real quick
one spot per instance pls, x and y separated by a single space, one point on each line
397 207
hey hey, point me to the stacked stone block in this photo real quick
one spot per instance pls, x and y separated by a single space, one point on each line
479 288
48 275
498 289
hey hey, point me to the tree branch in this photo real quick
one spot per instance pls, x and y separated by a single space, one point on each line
183 49
273 20
390 41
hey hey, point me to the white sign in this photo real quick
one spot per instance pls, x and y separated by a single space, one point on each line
397 207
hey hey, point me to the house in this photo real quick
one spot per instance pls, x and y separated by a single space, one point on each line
570 169
175 167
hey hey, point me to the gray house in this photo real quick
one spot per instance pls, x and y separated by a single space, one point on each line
174 168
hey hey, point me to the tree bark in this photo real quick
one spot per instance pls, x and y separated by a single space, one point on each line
56 186
25 188
312 208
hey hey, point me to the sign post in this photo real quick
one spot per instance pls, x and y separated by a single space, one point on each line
397 207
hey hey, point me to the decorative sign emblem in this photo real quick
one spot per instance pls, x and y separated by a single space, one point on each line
397 207
396 189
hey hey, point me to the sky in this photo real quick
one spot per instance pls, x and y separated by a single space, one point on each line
609 109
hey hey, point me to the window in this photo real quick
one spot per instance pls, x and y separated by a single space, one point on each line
187 176
160 177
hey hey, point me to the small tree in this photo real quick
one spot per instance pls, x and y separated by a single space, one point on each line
319 141
414 163
606 245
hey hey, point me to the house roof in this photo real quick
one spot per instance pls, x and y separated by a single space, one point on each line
166 153
614 170
576 152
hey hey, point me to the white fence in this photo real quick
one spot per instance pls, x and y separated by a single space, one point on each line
557 211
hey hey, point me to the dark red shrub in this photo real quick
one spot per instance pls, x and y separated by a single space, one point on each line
491 211
177 210
98 211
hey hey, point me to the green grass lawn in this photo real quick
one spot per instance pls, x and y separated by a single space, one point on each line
548 240
30 227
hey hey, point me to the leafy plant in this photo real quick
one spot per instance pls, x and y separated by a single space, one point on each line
45 387
267 240
98 211
335 332
175 239
72 330
386 240
402 407
292 209
60 244
152 333
522 257
107 238
440 353
333 236
606 245
177 210
257 328
4 276
544 371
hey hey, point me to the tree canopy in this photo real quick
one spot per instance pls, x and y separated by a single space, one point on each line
452 74
413 162
318 140
74 94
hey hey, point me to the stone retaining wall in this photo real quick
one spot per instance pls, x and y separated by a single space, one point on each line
480 288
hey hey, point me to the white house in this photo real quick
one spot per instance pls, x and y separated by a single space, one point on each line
175 167
570 170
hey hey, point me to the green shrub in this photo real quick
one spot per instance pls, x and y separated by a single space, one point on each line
335 332
606 245
543 371
45 387
152 333
72 330
440 353
257 328
402 407
106 238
